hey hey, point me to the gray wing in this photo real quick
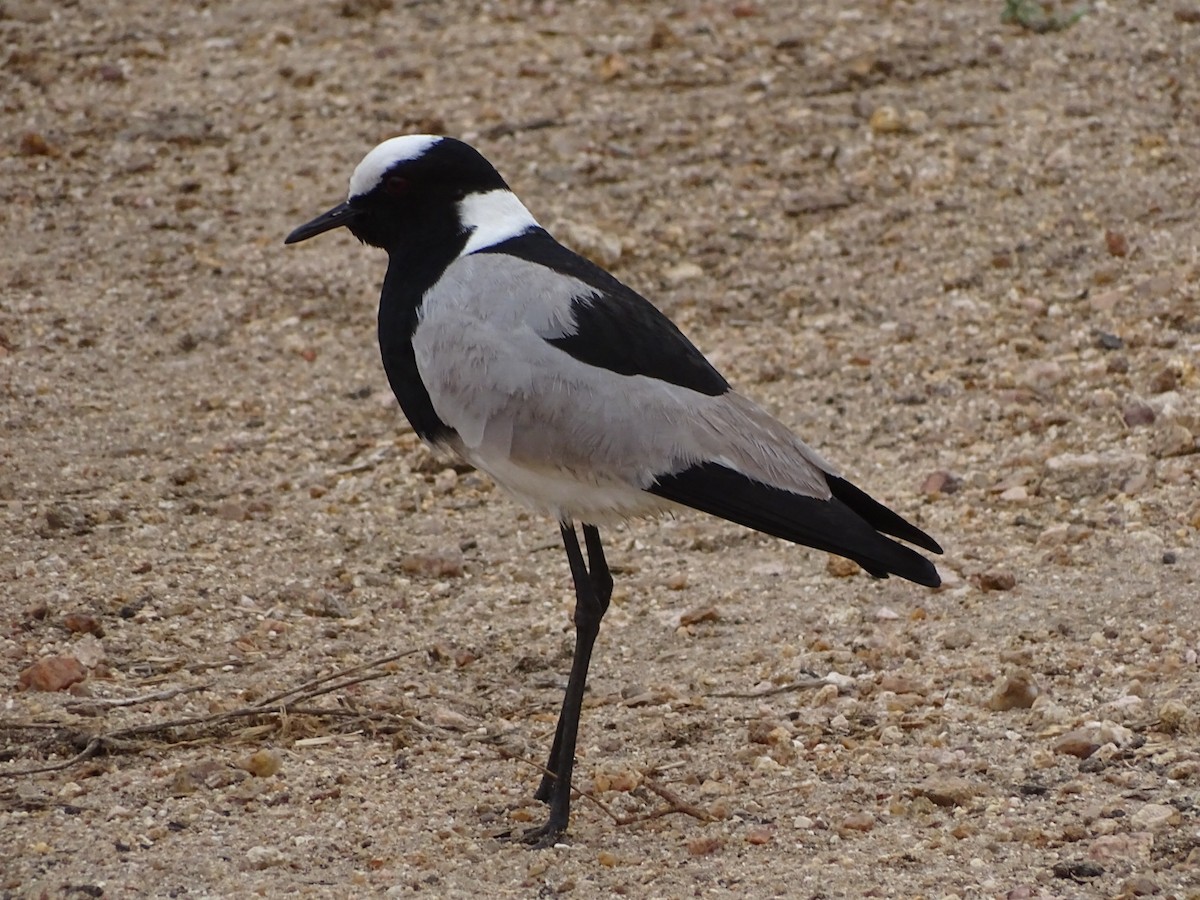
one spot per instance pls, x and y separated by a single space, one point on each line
483 352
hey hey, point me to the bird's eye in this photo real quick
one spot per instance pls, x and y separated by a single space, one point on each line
395 185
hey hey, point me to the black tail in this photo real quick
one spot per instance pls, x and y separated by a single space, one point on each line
848 524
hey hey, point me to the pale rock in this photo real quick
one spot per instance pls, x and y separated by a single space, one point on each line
599 246
1074 476
957 638
1173 439
1044 374
1079 743
891 735
1173 716
89 651
1017 690
1154 816
826 694
843 682
264 857
451 720
766 765
947 790
1120 846
1054 535
682 273
1127 708
886 120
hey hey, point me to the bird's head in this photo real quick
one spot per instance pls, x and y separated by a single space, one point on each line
419 192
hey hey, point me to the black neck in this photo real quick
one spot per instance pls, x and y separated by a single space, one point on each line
409 275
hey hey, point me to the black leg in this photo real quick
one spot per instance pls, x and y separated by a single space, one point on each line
593 590
602 584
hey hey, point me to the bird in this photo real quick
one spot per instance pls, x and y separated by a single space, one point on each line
577 395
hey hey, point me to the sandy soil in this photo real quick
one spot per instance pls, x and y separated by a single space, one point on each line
958 255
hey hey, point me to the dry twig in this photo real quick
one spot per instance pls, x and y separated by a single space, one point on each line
806 685
268 706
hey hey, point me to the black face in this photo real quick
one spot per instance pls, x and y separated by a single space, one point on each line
414 207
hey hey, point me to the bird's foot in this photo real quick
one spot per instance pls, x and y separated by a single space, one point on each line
540 838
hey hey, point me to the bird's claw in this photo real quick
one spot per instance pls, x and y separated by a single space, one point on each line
541 838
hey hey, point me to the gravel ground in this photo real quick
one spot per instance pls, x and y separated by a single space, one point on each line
297 652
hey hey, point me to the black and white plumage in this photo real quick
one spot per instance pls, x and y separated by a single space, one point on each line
576 394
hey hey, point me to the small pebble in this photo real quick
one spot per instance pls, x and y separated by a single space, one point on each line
1016 494
1173 716
759 834
839 567
82 623
264 857
857 821
1137 413
445 564
621 779
53 673
947 790
599 246
1173 439
886 120
1080 743
449 719
681 273
1077 871
1141 886
1154 816
263 763
997 580
1117 243
1164 380
33 143
704 845
957 638
1018 690
700 614
941 483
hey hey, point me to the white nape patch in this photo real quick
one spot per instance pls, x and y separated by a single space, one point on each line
493 217
375 164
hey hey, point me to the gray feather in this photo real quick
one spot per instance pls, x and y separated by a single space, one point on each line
516 401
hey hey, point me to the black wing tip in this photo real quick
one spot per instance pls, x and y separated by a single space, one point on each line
924 574
879 516
911 566
852 525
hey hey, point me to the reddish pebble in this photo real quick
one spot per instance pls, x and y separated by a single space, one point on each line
34 144
859 821
941 483
700 614
1079 743
82 623
997 581
1138 413
54 673
703 846
448 564
1017 691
